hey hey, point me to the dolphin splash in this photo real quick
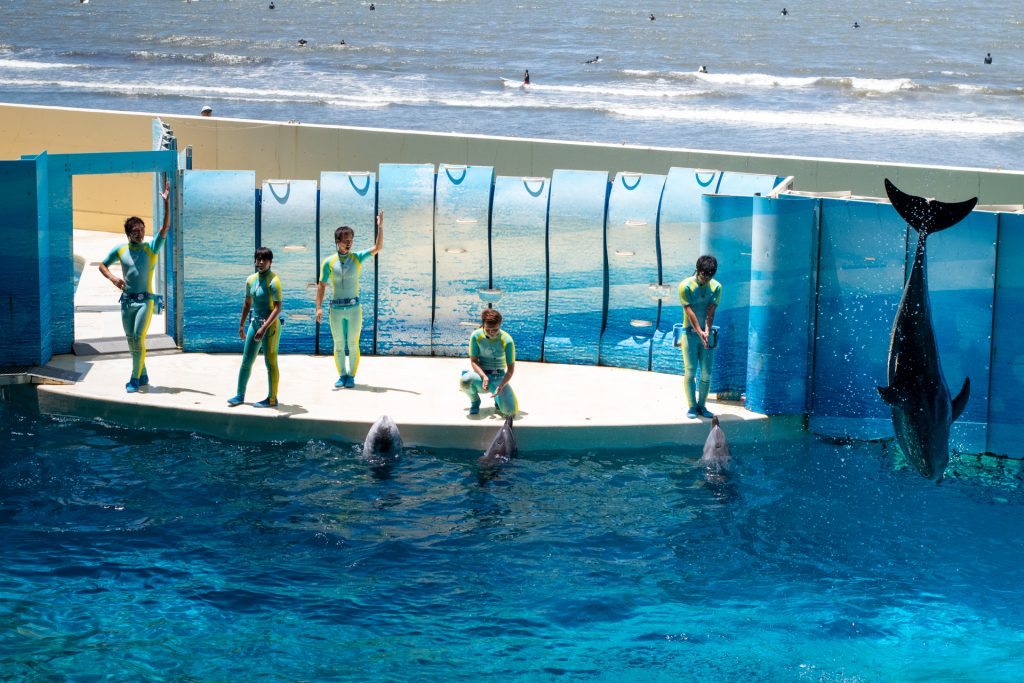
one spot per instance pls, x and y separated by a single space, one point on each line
383 442
503 447
922 410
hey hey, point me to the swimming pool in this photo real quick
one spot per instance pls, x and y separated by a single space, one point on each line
166 554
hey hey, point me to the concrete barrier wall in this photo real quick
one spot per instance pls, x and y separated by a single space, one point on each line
302 151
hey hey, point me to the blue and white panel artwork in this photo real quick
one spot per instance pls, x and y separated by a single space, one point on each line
462 210
405 267
747 184
288 228
350 199
726 233
961 274
782 282
1006 394
218 238
679 246
576 217
634 291
519 273
861 269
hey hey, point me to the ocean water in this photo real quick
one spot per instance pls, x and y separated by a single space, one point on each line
908 85
154 555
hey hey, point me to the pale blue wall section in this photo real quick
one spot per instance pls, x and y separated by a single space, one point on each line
350 199
632 257
726 233
576 266
679 244
218 237
519 271
462 209
405 273
782 281
861 270
747 184
25 337
1006 403
288 228
961 281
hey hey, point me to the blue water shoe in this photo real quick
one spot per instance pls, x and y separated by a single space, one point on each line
132 386
350 381
692 413
340 383
704 412
266 403
236 400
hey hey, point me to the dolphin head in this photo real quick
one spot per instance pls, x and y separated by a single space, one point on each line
383 441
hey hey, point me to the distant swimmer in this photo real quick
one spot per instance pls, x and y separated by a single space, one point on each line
784 12
526 77
856 25
206 111
702 70
372 7
652 16
595 60
342 42
302 42
988 57
271 6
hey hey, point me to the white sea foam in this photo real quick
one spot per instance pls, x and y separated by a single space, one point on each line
612 90
208 58
28 65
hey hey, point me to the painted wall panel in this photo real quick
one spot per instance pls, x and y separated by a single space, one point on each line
961 282
576 266
1006 403
462 209
519 215
632 258
288 228
218 237
861 272
351 199
726 232
679 246
405 273
782 282
747 184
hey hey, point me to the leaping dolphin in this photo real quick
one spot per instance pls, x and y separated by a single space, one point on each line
502 449
383 442
917 393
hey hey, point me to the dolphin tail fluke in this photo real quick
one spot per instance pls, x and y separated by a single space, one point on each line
960 402
927 215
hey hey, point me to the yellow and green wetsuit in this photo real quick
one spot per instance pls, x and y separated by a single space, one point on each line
695 356
137 264
264 289
494 356
346 313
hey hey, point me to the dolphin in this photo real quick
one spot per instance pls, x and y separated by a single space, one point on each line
502 449
383 442
716 449
922 410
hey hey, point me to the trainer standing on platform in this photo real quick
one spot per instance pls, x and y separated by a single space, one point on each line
700 295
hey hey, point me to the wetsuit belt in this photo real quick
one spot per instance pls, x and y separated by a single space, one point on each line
137 296
345 302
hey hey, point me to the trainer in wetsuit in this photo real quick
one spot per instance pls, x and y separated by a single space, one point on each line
342 271
137 260
700 295
260 326
492 353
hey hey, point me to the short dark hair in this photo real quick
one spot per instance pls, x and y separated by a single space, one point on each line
133 221
490 315
341 231
708 265
263 253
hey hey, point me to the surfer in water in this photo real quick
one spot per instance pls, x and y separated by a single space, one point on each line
526 77
595 60
988 57
702 70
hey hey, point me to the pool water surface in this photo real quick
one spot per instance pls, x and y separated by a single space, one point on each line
156 554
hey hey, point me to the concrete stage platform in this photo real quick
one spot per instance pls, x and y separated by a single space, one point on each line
562 406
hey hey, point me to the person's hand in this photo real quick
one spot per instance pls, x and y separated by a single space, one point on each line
497 390
484 378
702 333
259 334
166 194
118 282
319 314
380 218
241 331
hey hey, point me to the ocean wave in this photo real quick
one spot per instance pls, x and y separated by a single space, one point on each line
208 58
763 80
615 91
28 65
826 119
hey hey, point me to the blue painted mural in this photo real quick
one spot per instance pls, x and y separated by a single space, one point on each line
519 267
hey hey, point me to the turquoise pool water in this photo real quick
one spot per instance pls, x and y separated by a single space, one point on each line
157 554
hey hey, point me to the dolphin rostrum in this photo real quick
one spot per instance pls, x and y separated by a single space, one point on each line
383 442
716 455
917 393
502 449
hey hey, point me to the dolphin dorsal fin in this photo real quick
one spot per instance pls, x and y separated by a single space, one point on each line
960 402
890 396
